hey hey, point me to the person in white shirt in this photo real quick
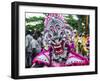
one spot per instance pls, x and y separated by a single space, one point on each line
28 49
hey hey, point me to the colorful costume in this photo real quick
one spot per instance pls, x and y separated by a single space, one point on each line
59 41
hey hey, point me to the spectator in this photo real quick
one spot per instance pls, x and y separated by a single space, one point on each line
28 48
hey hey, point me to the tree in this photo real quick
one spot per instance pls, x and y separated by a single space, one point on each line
39 26
81 25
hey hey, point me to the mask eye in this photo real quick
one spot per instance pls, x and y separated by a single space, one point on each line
49 35
61 34
57 27
53 40
51 28
60 38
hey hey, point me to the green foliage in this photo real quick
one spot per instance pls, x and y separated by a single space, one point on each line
38 27
71 21
34 18
75 23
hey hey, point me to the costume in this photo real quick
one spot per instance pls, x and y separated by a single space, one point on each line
58 44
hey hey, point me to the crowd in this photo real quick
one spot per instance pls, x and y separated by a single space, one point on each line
33 46
81 42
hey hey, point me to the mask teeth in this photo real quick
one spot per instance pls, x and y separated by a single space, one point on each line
57 46
59 52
